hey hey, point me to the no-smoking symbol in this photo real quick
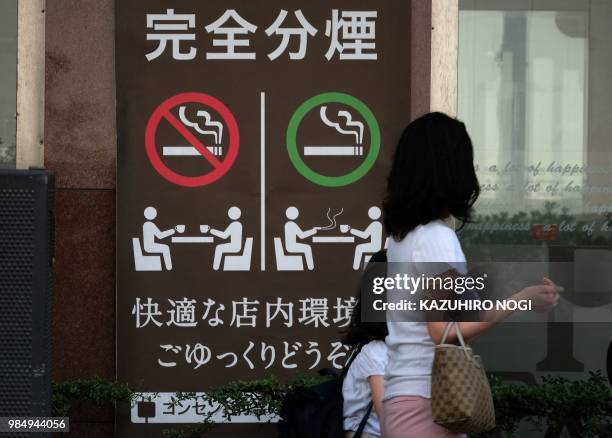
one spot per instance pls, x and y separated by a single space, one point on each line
209 132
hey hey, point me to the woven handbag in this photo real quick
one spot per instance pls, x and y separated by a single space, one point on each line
460 393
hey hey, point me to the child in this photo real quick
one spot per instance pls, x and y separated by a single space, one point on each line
364 381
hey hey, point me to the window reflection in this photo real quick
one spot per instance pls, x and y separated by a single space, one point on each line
533 96
8 81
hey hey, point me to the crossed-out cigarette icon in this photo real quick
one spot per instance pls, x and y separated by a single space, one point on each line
207 127
189 151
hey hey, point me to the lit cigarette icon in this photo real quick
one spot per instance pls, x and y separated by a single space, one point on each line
348 127
189 151
346 151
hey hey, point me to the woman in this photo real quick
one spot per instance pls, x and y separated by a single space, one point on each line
364 381
432 179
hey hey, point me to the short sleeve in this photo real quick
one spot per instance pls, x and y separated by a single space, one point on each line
438 249
372 360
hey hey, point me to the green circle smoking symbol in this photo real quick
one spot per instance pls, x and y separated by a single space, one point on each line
302 167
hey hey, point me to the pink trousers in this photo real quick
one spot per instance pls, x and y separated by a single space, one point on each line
410 416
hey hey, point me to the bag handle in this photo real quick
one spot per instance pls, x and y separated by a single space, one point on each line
354 354
459 336
363 422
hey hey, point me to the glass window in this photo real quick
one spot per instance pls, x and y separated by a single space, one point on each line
8 82
535 94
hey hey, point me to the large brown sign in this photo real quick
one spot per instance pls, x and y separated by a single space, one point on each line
254 139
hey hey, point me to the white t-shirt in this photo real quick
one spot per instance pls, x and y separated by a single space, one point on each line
411 350
371 361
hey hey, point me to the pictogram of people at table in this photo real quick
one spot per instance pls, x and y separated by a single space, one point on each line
232 253
293 251
233 250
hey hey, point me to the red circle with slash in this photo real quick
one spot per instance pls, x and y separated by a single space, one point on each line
163 112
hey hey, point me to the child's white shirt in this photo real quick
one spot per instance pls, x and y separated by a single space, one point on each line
371 361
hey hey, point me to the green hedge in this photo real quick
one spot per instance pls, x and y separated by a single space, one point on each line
582 407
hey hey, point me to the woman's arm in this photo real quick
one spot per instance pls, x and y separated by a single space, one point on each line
469 330
543 297
377 387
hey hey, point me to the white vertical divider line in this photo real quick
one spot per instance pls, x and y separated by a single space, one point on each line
262 238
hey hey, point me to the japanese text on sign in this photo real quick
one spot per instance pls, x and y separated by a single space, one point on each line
351 35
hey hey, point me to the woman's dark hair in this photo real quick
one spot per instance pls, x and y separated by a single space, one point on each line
432 176
359 332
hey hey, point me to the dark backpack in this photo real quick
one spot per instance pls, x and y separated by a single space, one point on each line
316 411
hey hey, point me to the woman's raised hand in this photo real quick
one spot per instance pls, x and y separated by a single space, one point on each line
544 296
